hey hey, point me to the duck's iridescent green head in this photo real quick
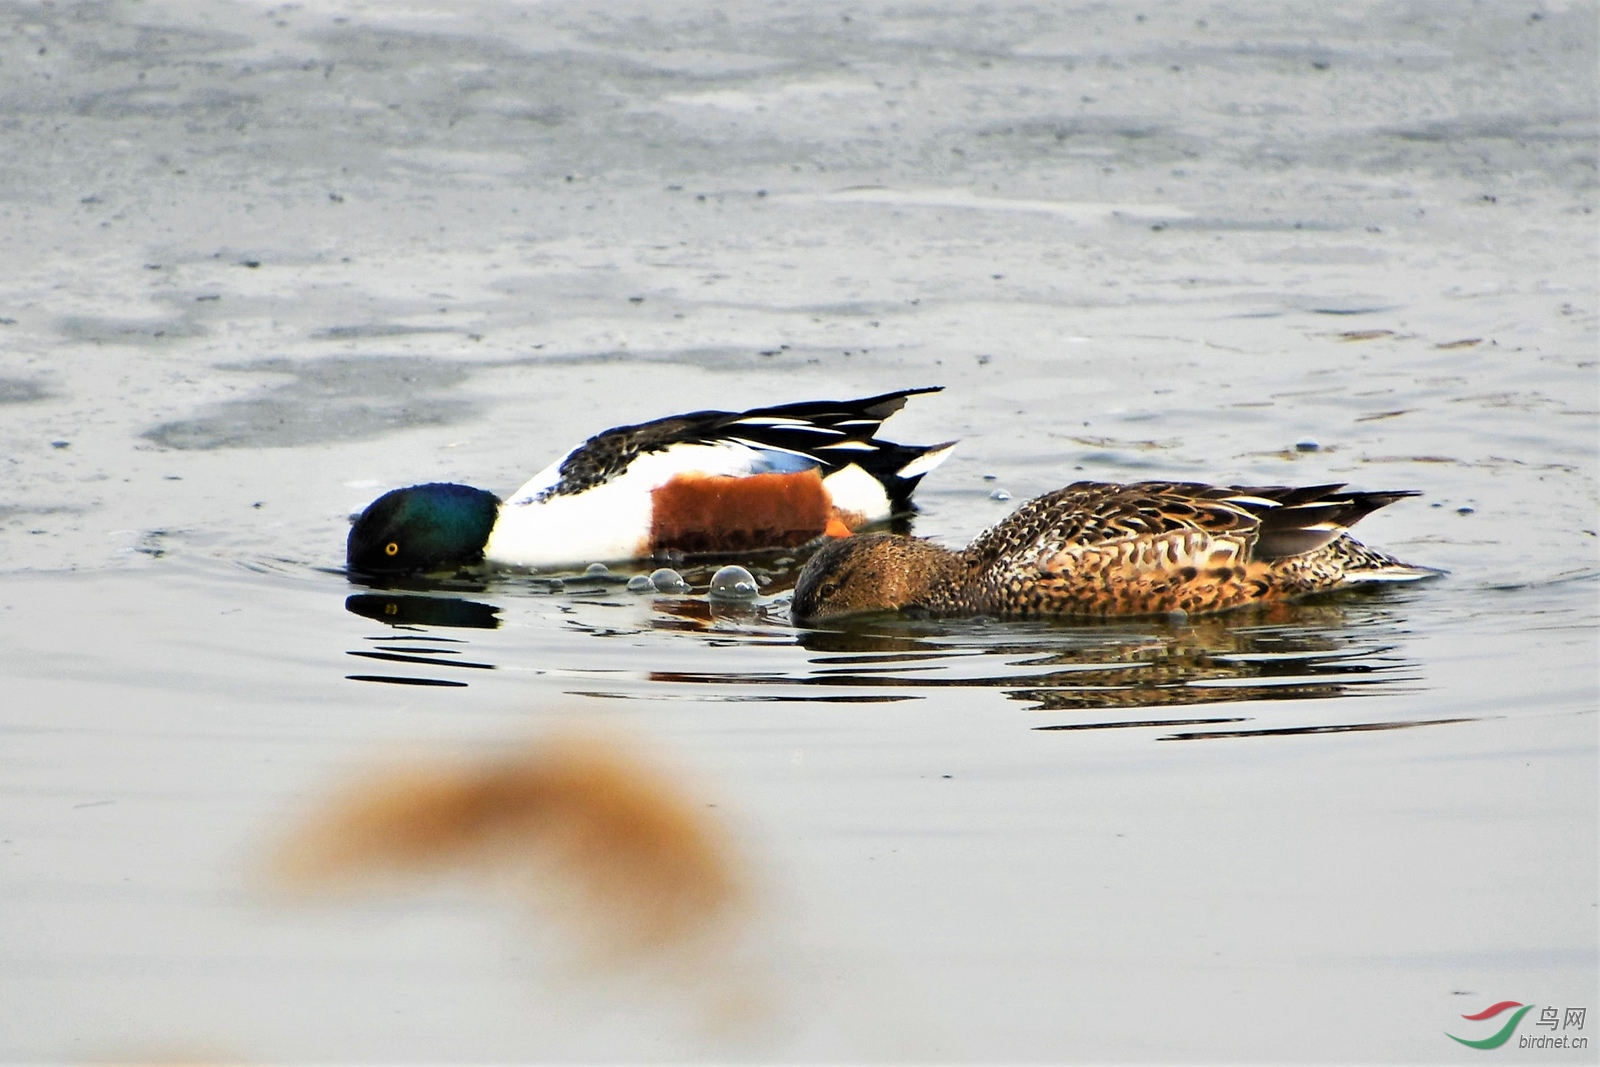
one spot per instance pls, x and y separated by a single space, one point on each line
422 528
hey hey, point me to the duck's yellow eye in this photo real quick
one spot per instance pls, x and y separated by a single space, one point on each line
391 549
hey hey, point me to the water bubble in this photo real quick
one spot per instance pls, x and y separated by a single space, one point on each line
667 580
640 583
733 582
999 494
556 585
1307 445
596 570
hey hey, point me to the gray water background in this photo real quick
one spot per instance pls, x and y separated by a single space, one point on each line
259 263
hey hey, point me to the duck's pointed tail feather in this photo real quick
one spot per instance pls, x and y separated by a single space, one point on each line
927 458
1296 521
841 434
898 468
831 412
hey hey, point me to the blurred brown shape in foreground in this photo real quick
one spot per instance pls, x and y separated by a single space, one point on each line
586 825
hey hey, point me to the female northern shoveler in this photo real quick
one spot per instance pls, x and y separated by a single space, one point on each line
705 482
1095 549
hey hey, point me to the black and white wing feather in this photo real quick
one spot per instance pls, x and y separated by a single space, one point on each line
825 434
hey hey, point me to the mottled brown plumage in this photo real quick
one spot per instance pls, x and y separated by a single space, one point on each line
1097 549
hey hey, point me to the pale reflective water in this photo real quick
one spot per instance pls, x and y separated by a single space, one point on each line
261 263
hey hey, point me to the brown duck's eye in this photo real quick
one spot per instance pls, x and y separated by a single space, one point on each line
827 589
391 549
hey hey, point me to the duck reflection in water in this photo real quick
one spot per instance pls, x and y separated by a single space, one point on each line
409 616
412 609
1278 652
1342 645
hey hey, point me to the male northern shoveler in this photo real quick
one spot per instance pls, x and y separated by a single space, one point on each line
1096 549
704 482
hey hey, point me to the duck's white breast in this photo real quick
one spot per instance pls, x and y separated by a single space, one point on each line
606 522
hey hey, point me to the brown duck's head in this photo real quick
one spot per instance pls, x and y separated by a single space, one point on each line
859 575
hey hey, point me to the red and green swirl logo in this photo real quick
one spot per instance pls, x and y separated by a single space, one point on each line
1499 1038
